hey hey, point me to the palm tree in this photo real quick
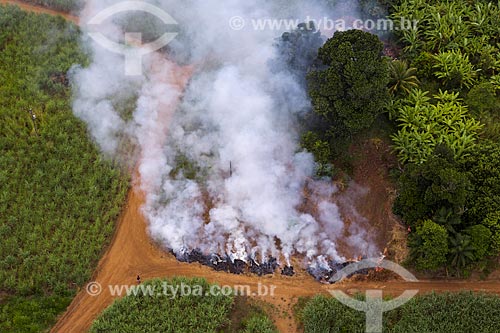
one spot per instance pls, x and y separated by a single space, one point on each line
403 79
461 251
446 217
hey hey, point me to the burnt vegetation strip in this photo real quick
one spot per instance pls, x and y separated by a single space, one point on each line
325 273
234 266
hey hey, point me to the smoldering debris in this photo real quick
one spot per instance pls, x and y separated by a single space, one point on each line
288 271
324 272
231 108
228 265
267 267
331 271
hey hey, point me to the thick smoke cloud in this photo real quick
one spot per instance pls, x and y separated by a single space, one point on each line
218 157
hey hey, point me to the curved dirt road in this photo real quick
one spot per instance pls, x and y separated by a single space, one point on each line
132 252
40 10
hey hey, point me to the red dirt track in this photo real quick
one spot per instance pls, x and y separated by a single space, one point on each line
132 252
40 10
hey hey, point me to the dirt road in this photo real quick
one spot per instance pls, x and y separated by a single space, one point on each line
40 10
132 252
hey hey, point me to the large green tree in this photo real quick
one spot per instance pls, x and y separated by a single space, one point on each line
480 237
429 246
349 90
492 222
427 188
298 49
483 166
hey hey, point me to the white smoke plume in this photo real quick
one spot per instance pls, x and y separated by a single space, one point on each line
219 157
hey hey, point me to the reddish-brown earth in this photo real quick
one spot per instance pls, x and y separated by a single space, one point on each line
132 252
40 10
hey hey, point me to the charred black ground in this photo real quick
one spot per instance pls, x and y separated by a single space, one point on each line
223 263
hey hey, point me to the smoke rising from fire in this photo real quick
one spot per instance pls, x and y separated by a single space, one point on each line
218 141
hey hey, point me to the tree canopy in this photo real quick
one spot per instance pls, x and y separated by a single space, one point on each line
431 248
424 125
349 87
426 188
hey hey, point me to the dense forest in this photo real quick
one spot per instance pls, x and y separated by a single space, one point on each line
59 199
448 137
442 97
